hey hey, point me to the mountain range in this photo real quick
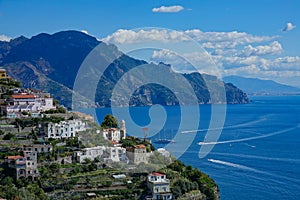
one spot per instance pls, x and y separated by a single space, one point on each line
261 87
50 62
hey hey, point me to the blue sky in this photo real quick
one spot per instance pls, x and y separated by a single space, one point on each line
261 18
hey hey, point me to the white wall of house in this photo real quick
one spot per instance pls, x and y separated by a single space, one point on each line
159 186
64 129
89 153
35 104
114 134
114 154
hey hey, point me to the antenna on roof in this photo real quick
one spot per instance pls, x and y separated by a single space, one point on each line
145 130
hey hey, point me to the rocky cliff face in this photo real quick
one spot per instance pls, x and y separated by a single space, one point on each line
51 63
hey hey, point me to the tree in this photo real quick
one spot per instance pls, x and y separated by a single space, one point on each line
110 121
37 191
8 190
8 136
54 168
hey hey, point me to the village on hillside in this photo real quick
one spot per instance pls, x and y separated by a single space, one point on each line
51 153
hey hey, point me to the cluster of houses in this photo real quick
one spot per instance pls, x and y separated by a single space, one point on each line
26 101
31 102
134 155
25 165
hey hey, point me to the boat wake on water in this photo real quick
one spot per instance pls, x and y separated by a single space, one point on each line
245 168
226 127
249 138
234 165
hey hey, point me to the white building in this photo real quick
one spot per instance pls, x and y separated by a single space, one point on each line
33 103
89 153
107 154
164 152
159 186
115 154
115 134
64 129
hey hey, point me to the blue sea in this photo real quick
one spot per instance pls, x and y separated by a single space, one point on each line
257 155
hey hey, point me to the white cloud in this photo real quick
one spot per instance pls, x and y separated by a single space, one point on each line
273 48
85 31
168 9
245 71
229 62
211 40
242 37
123 36
177 62
286 68
187 62
4 38
288 63
289 26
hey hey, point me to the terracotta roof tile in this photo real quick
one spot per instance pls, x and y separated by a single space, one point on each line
140 146
23 96
157 174
14 157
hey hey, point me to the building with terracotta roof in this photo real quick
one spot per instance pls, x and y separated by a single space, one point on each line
137 154
115 134
23 166
159 186
33 103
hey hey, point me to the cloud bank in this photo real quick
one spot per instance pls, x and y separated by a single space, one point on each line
236 53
